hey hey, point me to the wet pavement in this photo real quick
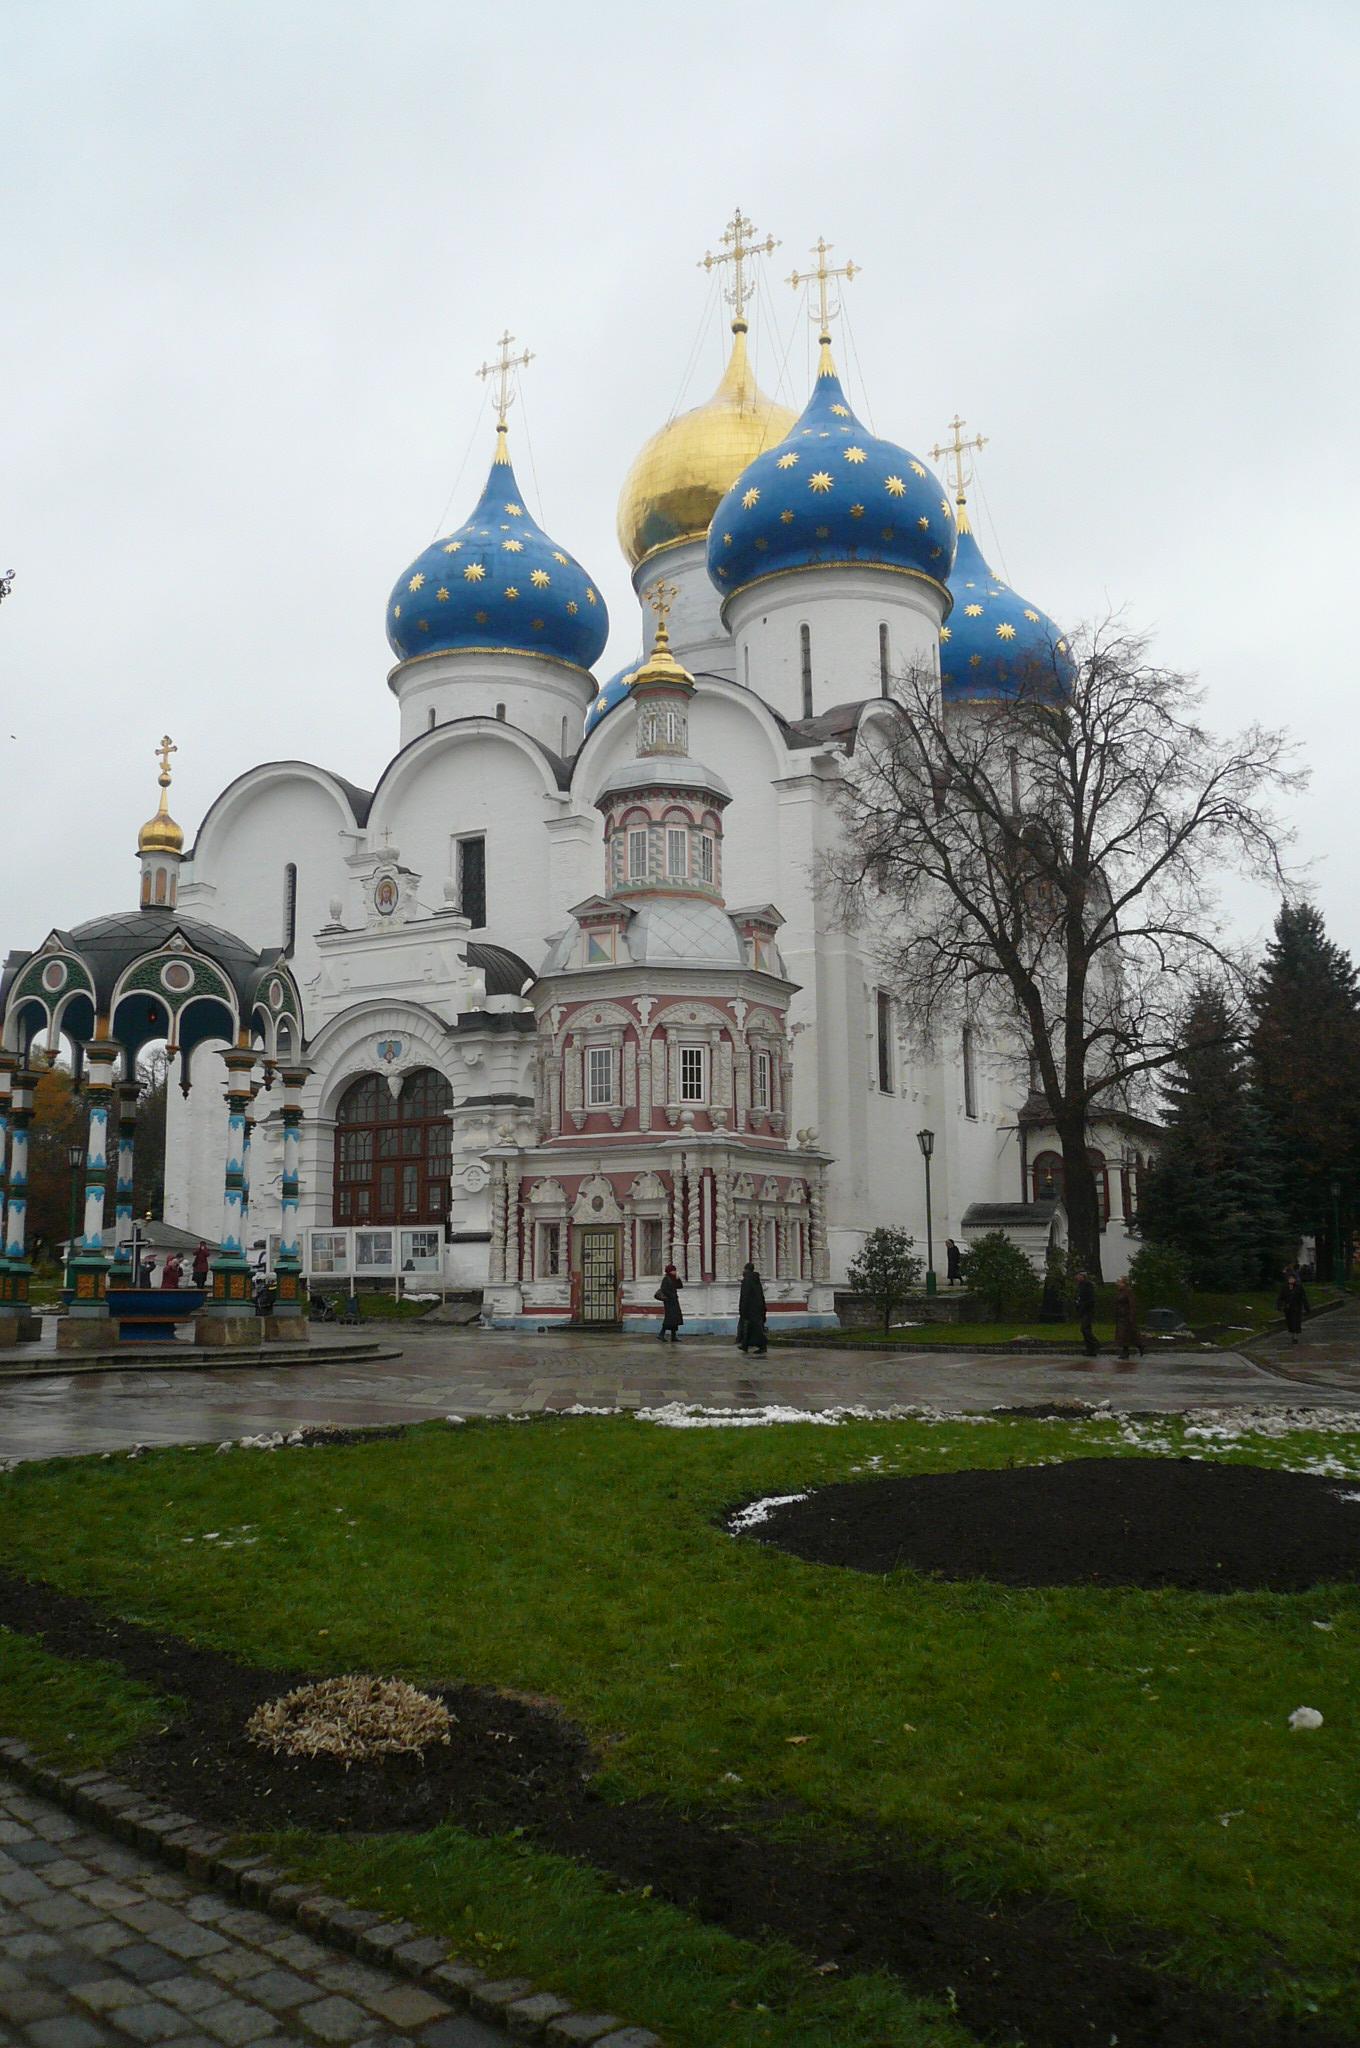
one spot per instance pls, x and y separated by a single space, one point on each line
478 1372
100 1944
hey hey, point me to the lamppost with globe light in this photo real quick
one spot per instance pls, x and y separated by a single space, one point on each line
926 1141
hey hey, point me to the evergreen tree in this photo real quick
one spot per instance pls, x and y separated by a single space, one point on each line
1305 1052
1213 1191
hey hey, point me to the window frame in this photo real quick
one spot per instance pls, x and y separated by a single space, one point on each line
699 1054
636 872
762 1076
970 1094
884 1035
605 1052
677 836
477 890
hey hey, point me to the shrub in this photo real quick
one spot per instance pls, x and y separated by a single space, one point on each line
999 1271
887 1270
1161 1276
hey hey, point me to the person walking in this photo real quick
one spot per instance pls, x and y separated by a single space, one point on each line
200 1265
1292 1303
172 1271
751 1312
1127 1333
1086 1314
953 1263
672 1315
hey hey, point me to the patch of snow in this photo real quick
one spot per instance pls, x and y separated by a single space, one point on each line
760 1511
1305 1717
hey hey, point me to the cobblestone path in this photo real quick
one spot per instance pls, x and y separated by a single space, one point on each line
100 1945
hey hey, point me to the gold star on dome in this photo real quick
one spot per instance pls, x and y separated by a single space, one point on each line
1062 647
842 412
727 540
820 480
787 461
511 591
513 547
895 487
417 580
590 596
885 533
975 661
786 517
946 632
515 511
761 543
972 611
452 547
750 498
946 508
558 556
1005 631
601 703
856 511
473 572
854 455
481 617
422 625
396 611
935 554
1033 617
918 468
540 579
924 524
572 607
537 625
442 594
823 533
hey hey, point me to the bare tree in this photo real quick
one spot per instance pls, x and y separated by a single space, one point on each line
1045 865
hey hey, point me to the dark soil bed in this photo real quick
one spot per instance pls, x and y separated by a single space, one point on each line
1023 1968
1199 1526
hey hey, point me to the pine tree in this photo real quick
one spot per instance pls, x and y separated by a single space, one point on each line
1213 1193
1305 1052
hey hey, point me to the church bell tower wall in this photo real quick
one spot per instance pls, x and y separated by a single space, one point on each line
545 698
809 640
698 636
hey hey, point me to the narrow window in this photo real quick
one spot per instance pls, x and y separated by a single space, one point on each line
677 853
805 644
160 885
760 1081
599 1076
650 1245
472 879
705 857
692 1074
566 729
637 856
289 906
969 1073
548 1259
883 660
500 713
1013 759
769 1242
885 1019
746 666
429 719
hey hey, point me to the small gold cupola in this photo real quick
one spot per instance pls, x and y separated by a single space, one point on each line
160 843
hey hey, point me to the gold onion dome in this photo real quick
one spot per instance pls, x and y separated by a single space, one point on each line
161 834
677 481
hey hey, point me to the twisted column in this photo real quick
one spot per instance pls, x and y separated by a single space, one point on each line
288 1317
229 1317
120 1271
89 1263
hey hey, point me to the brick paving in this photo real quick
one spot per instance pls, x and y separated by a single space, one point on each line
100 1944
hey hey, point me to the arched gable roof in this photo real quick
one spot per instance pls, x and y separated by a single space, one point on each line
352 802
454 732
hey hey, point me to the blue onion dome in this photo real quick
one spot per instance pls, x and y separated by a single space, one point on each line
611 693
831 493
500 584
994 640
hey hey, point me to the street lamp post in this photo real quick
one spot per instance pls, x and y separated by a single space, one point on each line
75 1159
926 1141
1338 1251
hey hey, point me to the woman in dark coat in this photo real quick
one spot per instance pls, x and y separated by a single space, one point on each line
668 1294
1126 1331
751 1333
1293 1304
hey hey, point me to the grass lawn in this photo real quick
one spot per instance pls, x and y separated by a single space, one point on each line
1223 1319
1127 1751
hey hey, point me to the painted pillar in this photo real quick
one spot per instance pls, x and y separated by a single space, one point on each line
288 1266
20 1320
8 1065
89 1264
231 1300
120 1272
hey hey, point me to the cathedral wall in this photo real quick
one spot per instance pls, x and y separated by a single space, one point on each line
844 612
238 876
547 699
698 636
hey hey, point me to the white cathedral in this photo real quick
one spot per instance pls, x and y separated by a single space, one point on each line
574 1007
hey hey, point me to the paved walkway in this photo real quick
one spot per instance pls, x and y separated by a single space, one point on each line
477 1372
99 1945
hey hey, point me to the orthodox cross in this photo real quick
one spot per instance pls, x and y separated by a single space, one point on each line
661 597
822 277
736 250
503 371
955 452
163 752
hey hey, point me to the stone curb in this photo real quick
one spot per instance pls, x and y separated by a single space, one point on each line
205 1854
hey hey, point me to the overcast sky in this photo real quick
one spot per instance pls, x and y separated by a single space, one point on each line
254 253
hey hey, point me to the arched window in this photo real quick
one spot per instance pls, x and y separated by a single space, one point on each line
290 906
1048 1178
884 661
392 1152
429 719
805 649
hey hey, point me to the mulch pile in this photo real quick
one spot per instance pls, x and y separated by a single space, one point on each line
1187 1523
1020 1968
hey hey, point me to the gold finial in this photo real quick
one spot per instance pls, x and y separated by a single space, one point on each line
736 250
955 453
661 597
502 372
161 834
822 277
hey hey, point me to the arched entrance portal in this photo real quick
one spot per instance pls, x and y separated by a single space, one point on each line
392 1151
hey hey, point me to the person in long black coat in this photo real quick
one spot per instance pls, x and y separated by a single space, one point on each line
672 1315
1293 1304
751 1332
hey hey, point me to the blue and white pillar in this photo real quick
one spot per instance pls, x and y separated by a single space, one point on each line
120 1272
230 1313
288 1266
89 1264
18 1319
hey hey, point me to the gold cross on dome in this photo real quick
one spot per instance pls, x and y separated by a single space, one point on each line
822 277
503 371
737 250
955 453
163 752
661 597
